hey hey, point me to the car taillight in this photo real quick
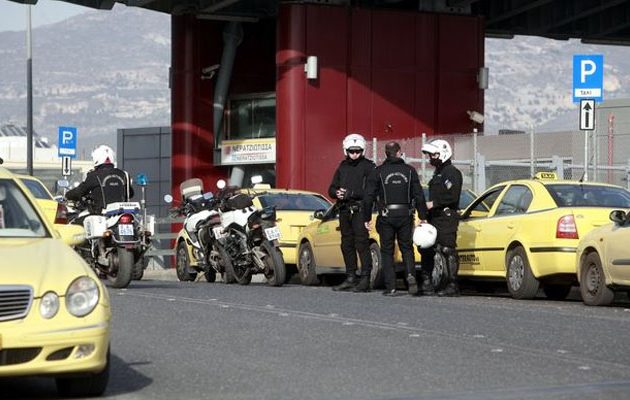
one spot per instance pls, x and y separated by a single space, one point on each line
61 216
566 228
126 219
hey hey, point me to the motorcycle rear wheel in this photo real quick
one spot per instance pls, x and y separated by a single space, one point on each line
122 277
274 263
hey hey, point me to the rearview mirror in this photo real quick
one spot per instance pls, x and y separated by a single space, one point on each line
319 214
618 216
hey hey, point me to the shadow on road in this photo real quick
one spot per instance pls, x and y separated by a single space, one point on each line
123 379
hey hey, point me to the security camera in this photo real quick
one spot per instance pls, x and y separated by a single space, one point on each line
475 116
208 72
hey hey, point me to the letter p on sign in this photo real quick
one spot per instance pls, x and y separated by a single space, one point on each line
587 67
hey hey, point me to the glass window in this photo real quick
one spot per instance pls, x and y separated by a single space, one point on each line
17 216
516 201
252 117
589 196
483 204
37 189
294 201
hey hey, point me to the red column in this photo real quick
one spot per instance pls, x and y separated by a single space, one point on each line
290 97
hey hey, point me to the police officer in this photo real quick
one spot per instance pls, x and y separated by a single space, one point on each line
445 188
396 186
347 187
104 184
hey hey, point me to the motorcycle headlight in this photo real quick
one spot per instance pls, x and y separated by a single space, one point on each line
82 296
49 305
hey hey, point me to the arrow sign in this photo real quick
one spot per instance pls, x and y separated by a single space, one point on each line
66 166
587 115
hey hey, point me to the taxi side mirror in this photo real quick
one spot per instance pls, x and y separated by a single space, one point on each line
618 217
319 214
71 235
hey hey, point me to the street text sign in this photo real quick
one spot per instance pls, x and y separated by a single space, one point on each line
68 141
587 115
588 77
66 166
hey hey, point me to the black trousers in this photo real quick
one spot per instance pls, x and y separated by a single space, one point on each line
401 230
354 238
446 226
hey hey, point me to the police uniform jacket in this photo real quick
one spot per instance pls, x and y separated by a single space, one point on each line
105 184
394 183
351 175
445 187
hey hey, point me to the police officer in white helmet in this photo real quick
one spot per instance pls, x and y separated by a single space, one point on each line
104 184
445 188
347 187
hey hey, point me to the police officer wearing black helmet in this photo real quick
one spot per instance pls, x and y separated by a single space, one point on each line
396 186
347 187
445 188
104 184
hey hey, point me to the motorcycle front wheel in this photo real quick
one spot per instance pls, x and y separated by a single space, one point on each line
242 275
276 270
120 277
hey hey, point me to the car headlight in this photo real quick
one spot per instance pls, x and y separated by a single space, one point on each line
82 296
49 305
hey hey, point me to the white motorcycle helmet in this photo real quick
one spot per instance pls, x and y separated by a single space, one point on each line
424 236
103 155
440 147
353 141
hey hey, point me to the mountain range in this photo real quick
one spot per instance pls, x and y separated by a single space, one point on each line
105 70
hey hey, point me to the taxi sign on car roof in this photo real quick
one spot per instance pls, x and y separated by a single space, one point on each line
548 176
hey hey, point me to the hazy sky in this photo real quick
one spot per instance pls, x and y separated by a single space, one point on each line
13 15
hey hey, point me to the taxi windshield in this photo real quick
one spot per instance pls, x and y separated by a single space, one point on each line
576 195
294 201
17 215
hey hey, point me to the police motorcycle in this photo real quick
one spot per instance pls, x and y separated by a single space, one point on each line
115 241
196 250
248 238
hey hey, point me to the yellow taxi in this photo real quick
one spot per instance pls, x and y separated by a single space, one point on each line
55 211
54 311
319 248
527 232
603 262
294 211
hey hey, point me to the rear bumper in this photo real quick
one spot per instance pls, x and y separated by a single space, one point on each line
546 261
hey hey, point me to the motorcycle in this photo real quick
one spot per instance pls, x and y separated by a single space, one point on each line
248 238
115 241
196 250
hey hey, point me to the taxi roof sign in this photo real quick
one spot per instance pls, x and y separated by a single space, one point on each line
551 176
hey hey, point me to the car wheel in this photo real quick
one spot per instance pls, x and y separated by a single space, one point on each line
307 269
521 282
376 276
90 385
182 264
593 283
556 291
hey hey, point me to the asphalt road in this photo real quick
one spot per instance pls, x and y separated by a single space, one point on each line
175 340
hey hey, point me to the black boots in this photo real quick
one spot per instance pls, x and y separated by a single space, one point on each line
363 285
451 290
346 285
427 284
412 284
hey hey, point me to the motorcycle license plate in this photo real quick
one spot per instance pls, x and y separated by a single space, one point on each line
125 230
272 233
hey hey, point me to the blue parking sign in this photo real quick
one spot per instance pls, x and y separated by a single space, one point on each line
68 141
588 77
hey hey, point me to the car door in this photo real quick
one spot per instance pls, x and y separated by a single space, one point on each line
470 241
327 241
508 220
618 252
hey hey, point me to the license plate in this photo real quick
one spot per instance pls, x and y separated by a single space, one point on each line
125 230
218 232
272 233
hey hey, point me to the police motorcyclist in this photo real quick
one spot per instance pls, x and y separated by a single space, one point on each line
347 187
445 188
104 184
397 187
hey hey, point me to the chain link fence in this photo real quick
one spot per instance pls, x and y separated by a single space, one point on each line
489 159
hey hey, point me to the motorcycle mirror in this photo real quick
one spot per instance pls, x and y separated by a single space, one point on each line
221 184
63 183
168 198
